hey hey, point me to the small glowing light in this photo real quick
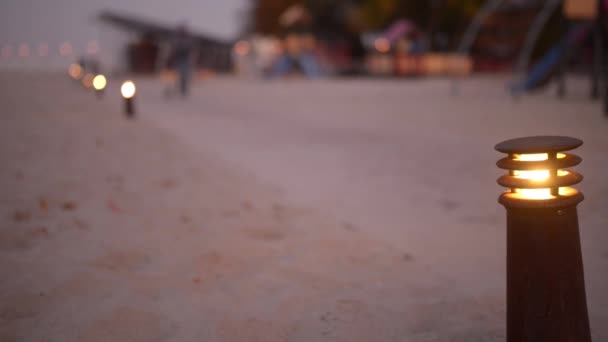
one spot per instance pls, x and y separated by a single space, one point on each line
43 49
24 50
99 82
536 175
87 80
535 194
128 89
536 156
65 49
541 194
75 71
242 48
531 157
92 47
382 45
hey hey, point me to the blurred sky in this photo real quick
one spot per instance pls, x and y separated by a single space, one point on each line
52 22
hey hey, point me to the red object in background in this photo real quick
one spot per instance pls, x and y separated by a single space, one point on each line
142 57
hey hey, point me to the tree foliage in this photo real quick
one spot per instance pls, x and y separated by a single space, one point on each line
370 14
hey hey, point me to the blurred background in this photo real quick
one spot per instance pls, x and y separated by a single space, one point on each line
282 170
321 37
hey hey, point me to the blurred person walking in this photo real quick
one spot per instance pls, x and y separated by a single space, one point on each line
183 59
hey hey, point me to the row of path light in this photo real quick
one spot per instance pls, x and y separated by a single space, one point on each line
98 82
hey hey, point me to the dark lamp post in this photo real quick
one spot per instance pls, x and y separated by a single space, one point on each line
128 93
546 299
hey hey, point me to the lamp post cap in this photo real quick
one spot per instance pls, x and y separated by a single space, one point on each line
538 144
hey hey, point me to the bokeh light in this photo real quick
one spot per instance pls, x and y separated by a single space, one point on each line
382 45
87 80
128 89
75 71
100 82
242 48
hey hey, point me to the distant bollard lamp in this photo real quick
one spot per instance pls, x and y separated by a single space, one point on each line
99 84
546 299
87 80
75 71
128 93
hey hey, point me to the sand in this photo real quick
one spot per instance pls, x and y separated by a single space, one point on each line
234 217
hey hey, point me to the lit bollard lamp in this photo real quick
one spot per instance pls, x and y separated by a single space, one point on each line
546 299
99 84
128 93
76 72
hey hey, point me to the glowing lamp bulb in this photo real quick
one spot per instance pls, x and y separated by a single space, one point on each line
87 80
537 175
75 71
99 82
128 89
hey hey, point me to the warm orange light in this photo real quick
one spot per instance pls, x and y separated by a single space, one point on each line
382 45
128 89
87 80
75 71
535 156
242 48
434 64
99 82
534 194
536 175
541 194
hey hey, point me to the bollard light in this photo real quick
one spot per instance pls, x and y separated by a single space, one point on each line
87 80
546 300
128 93
99 84
75 71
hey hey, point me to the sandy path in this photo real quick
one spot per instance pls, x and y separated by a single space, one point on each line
112 231
127 231
404 162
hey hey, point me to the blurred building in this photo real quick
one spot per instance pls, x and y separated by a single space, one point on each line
503 34
39 34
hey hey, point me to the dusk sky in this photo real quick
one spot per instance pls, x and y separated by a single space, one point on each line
52 22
